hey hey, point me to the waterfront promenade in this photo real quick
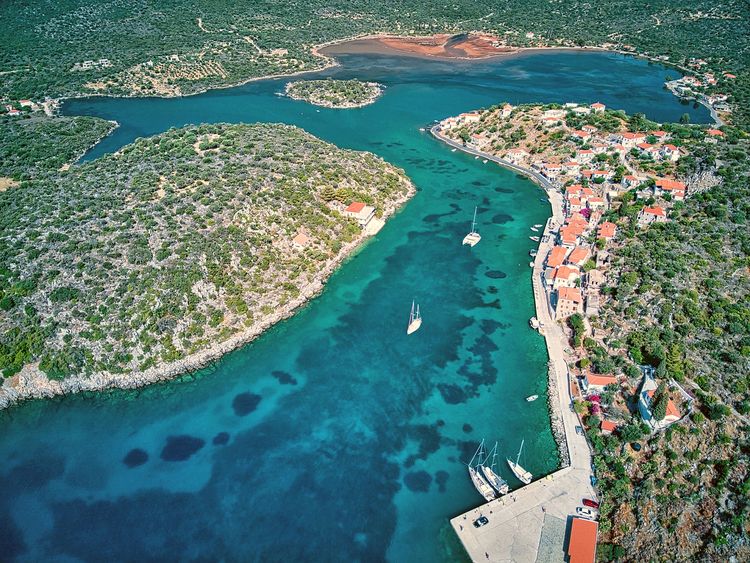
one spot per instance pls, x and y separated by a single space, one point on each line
518 523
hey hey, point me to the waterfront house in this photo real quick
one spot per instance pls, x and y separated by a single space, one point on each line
568 236
649 215
581 110
598 107
506 110
516 155
569 302
566 276
594 382
361 212
556 113
470 117
556 256
645 403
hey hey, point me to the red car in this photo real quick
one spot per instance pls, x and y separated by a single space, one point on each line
590 503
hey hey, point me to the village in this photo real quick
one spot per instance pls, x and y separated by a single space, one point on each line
588 154
590 161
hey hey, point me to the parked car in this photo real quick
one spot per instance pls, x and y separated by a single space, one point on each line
481 521
590 503
585 512
593 481
579 430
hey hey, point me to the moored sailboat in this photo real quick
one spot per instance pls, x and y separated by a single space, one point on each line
473 237
480 484
523 475
415 319
497 482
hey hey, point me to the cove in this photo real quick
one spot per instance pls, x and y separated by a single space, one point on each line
333 436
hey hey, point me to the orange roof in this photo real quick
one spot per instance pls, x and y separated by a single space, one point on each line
715 133
301 239
575 201
355 207
601 380
556 256
658 211
658 133
582 543
570 294
672 410
579 255
633 136
598 105
574 189
607 230
568 235
667 184
608 426
566 272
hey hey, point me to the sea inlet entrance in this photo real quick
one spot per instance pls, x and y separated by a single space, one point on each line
333 436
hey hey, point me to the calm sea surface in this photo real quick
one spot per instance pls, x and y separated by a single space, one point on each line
334 436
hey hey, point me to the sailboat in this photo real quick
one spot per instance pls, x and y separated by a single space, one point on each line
480 484
497 482
523 475
415 319
473 237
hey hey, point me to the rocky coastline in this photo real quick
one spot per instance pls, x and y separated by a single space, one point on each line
32 383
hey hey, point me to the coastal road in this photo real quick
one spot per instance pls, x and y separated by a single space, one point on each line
528 524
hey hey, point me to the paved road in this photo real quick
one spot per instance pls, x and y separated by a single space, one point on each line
515 521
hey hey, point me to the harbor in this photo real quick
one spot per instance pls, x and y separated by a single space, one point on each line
531 523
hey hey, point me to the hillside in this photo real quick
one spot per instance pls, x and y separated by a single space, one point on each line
174 245
127 47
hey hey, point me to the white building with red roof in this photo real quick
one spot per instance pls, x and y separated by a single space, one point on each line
598 107
569 302
649 215
360 212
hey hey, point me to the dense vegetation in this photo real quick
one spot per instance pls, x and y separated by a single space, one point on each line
681 303
173 244
43 144
334 93
167 47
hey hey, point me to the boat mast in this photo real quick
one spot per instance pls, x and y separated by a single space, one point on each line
494 456
519 452
418 316
474 221
411 315
479 449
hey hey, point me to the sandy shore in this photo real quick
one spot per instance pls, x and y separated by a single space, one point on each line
31 382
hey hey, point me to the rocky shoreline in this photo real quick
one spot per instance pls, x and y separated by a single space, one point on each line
32 383
375 91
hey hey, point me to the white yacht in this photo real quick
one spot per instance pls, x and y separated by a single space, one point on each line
473 237
523 475
415 320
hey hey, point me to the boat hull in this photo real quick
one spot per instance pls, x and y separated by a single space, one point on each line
472 239
482 486
521 474
414 326
495 480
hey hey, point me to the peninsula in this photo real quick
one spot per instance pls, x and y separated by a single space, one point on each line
338 94
178 248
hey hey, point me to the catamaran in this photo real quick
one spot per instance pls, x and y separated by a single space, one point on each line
473 237
497 482
480 484
523 475
415 320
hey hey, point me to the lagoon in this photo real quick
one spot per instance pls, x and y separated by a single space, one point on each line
333 436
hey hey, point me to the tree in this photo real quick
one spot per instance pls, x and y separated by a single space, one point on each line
685 118
659 402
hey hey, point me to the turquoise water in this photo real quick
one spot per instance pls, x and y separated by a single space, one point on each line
333 436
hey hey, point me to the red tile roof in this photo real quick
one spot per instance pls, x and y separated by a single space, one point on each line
569 294
355 207
607 230
579 255
656 210
556 256
608 426
601 380
582 543
715 133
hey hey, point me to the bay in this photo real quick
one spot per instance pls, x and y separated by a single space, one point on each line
334 436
